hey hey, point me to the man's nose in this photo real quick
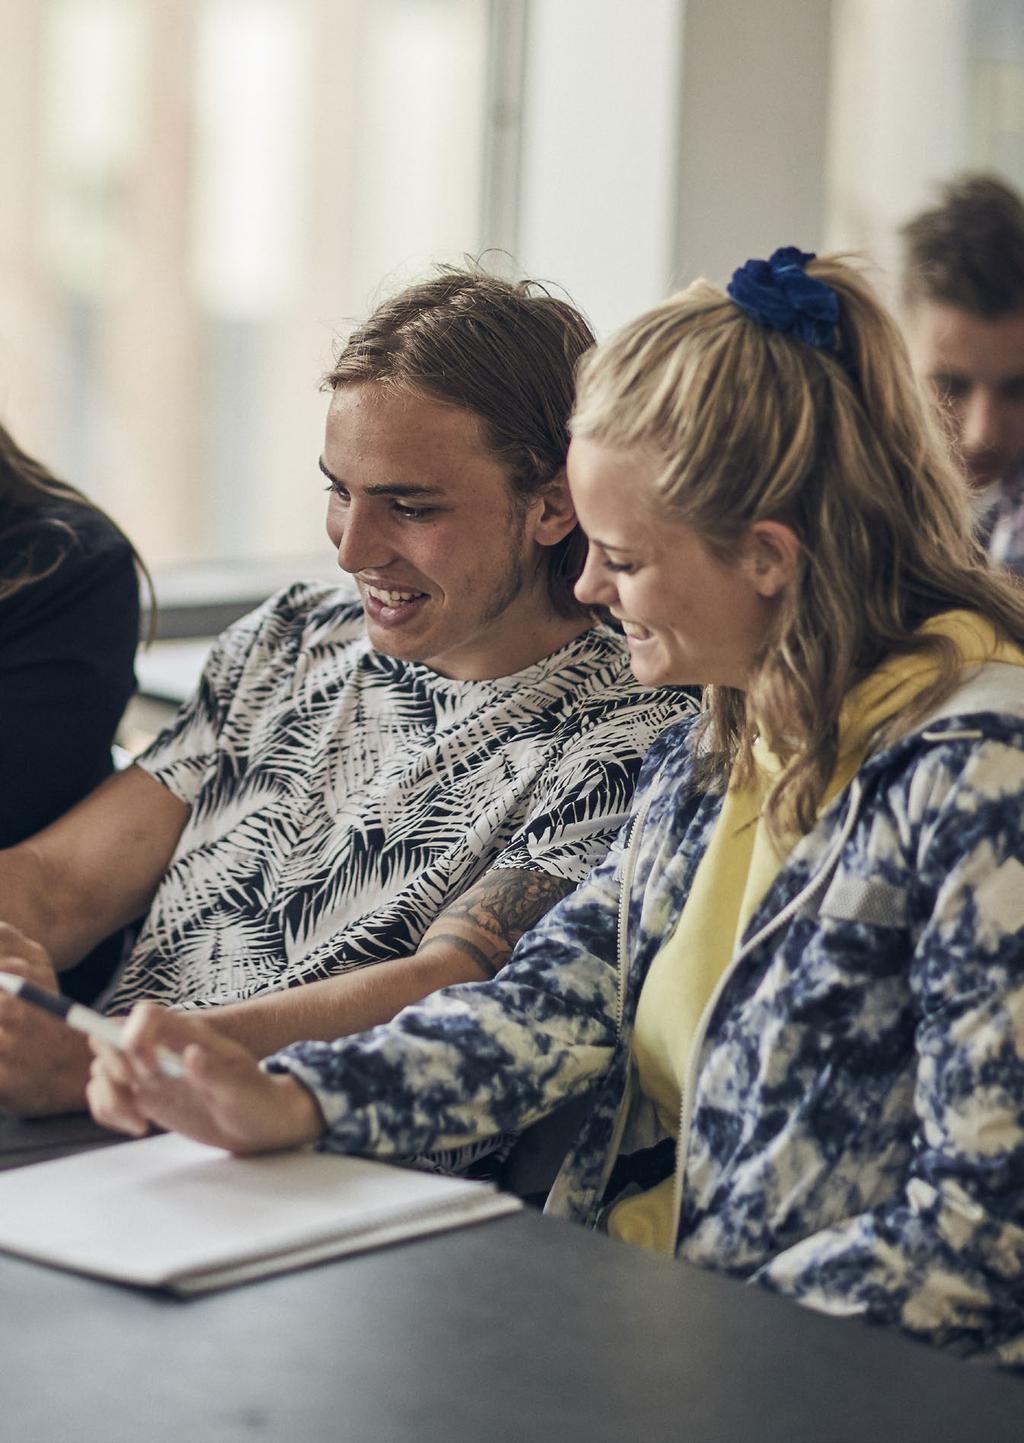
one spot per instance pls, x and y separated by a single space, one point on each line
981 422
360 541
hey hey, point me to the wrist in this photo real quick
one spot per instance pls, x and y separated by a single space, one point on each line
300 1116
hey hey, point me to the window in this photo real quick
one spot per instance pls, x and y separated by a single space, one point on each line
200 195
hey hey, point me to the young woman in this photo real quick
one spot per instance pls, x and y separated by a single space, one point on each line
794 992
69 626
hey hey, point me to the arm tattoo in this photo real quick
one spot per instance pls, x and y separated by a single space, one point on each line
488 920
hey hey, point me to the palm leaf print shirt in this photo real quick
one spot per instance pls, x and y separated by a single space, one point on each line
341 799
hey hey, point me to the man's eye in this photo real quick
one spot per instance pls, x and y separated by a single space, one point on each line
413 513
951 388
335 489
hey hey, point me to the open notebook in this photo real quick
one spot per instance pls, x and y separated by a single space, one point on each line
169 1213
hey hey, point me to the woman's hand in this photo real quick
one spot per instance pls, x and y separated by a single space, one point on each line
224 1098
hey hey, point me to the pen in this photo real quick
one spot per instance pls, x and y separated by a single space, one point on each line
84 1019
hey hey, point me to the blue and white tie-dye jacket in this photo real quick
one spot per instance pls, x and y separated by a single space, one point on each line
852 1129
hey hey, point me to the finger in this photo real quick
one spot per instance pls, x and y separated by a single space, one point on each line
20 965
111 1062
114 1106
17 944
149 1025
20 1019
9 934
141 1036
34 972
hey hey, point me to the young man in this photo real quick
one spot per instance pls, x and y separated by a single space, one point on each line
411 779
963 289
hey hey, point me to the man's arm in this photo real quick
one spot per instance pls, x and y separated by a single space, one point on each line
93 870
61 892
469 942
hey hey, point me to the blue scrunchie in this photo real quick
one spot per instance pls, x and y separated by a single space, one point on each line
779 293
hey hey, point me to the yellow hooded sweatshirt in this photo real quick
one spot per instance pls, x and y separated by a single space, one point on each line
731 879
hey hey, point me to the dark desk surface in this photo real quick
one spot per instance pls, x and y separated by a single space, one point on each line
37 1139
519 1329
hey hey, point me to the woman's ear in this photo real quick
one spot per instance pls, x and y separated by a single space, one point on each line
555 515
769 555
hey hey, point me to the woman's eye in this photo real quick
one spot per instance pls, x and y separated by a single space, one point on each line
625 566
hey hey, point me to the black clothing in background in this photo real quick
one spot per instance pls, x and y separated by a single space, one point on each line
67 648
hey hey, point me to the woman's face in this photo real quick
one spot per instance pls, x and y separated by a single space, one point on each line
689 618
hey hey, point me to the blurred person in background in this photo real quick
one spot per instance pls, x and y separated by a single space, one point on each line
963 295
69 625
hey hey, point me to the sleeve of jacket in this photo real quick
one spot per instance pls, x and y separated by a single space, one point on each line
944 1259
485 1058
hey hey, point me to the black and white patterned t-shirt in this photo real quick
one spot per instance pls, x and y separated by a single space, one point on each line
341 799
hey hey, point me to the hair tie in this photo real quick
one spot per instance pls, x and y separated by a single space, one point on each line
779 293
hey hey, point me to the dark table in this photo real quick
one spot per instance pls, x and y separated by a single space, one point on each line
522 1329
37 1139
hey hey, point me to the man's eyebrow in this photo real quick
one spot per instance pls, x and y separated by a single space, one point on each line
395 488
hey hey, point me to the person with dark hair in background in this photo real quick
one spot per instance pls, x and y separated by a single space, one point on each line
963 294
411 779
791 999
69 626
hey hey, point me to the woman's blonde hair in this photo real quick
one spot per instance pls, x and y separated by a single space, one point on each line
752 424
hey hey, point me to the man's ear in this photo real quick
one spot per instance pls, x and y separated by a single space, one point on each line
769 554
553 511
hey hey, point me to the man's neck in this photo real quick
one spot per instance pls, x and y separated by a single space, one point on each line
535 638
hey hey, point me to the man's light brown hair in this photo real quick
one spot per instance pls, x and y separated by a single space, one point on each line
506 351
968 251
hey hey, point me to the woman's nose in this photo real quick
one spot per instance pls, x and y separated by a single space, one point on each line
594 587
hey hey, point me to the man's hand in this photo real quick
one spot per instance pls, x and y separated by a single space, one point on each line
223 1099
43 1063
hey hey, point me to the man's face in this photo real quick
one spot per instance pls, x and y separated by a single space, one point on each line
423 517
976 368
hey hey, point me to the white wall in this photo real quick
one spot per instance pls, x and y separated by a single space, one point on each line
755 96
900 118
597 166
659 140
663 139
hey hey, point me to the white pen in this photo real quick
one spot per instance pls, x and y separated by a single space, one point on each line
84 1019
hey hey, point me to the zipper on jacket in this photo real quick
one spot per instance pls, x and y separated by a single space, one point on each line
625 886
630 846
810 887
